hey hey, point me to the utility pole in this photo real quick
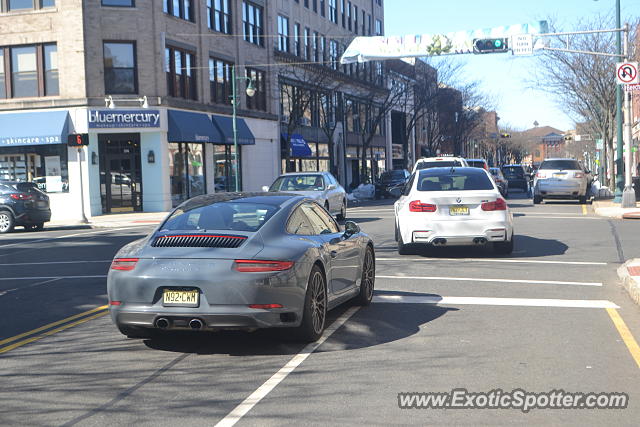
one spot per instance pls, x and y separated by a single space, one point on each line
628 194
619 137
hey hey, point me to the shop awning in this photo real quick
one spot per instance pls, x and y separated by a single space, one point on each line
299 147
225 124
35 128
185 126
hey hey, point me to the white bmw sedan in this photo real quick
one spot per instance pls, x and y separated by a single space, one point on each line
453 206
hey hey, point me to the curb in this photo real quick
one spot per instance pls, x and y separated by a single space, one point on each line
629 273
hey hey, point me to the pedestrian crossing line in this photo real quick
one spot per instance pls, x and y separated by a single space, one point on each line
505 260
477 279
34 334
625 333
521 302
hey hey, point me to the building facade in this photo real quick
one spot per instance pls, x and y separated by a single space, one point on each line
151 82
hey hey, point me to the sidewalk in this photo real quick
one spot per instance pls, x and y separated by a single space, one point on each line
609 209
629 274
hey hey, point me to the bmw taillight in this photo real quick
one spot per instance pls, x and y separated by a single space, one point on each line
418 206
540 175
498 205
260 266
578 175
21 196
124 264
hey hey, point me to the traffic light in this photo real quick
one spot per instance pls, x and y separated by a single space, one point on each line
505 135
496 45
77 139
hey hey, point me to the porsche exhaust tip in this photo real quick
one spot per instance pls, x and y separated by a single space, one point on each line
439 242
479 240
162 323
195 324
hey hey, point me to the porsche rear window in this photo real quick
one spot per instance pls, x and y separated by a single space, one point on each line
456 181
236 216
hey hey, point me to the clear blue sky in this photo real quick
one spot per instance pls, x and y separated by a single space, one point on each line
502 75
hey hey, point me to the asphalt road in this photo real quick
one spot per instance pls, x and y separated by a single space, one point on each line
443 319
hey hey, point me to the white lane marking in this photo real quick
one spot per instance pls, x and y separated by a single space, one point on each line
243 408
474 279
544 213
53 262
64 236
28 286
523 302
53 277
523 261
371 210
559 217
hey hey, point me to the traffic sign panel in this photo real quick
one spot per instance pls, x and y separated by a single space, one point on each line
627 73
522 44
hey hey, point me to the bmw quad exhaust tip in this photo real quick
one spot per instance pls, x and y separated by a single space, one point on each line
195 324
162 323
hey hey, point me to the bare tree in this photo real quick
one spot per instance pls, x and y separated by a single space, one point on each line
583 84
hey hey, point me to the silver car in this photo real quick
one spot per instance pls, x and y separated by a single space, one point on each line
241 261
321 186
561 179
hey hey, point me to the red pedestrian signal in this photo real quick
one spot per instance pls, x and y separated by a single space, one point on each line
78 139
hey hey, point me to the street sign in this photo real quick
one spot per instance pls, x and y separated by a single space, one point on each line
522 44
627 73
599 144
632 88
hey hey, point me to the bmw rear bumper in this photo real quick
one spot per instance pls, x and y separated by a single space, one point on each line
454 233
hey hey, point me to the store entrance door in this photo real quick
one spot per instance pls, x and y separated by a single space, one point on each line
120 172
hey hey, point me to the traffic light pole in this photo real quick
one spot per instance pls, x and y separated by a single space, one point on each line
84 217
628 194
619 137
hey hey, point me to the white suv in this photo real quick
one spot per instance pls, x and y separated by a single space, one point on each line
561 179
439 162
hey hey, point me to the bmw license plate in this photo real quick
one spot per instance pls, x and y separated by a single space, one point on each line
41 204
179 298
458 210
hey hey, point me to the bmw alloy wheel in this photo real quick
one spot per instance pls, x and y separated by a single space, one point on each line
6 221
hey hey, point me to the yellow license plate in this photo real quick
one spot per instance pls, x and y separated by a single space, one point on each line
459 210
559 175
180 298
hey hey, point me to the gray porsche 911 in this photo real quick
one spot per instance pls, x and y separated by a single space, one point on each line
241 261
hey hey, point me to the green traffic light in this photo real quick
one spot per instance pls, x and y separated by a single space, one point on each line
497 43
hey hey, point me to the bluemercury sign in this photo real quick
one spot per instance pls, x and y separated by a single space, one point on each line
364 49
124 118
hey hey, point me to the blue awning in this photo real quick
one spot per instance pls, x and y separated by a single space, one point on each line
299 147
185 126
225 125
36 128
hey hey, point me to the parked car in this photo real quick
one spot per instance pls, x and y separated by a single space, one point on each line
439 162
501 181
241 261
391 181
449 207
561 179
22 204
320 186
517 177
478 163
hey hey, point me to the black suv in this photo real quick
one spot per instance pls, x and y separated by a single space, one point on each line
390 180
517 176
22 203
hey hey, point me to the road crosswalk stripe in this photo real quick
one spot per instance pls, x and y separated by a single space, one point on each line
522 302
505 260
478 279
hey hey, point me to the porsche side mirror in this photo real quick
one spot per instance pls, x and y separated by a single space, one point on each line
350 228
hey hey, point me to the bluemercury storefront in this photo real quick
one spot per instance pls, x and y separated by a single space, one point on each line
33 147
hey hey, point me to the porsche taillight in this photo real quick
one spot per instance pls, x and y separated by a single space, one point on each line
260 266
124 264
418 206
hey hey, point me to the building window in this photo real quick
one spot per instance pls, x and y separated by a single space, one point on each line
119 3
296 39
283 33
9 5
323 49
226 163
343 4
315 6
315 47
179 8
333 11
322 7
120 74
306 4
307 43
220 81
28 71
46 165
252 20
187 168
219 16
181 75
348 15
369 25
355 19
51 85
259 100
378 27
333 54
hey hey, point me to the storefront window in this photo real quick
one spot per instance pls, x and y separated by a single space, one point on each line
186 163
46 165
224 157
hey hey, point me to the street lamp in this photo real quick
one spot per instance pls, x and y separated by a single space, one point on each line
250 91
